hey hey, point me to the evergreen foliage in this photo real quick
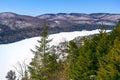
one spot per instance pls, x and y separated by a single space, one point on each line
99 57
44 63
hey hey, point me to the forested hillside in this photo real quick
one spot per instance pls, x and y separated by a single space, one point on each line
92 58
15 27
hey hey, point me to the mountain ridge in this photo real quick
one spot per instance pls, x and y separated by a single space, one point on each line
15 27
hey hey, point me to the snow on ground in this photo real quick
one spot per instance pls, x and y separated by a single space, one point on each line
20 51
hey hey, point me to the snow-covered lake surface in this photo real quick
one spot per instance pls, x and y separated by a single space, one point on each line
11 53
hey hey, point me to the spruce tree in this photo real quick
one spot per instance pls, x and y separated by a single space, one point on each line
109 65
44 63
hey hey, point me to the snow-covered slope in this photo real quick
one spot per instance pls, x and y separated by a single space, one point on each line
20 51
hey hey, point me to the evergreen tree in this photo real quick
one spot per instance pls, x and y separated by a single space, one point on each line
43 65
72 51
86 63
83 67
109 65
115 33
11 75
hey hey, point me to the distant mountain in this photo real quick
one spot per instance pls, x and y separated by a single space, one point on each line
14 27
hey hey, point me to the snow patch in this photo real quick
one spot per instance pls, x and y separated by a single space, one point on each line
57 22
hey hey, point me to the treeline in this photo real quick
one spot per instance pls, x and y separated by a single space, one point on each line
98 58
9 35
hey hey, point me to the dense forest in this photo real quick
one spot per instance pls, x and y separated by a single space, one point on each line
98 58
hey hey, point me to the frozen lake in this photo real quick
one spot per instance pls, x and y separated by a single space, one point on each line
11 53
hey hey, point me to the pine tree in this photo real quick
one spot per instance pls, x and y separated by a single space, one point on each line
44 63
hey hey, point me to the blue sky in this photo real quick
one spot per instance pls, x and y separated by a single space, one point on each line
37 7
